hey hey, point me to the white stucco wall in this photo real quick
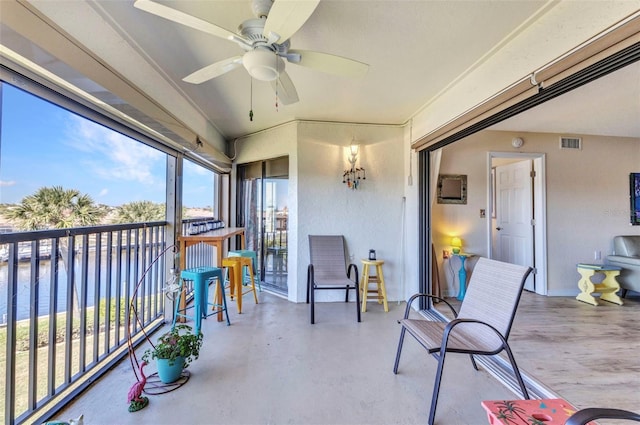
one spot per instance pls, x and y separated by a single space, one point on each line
587 198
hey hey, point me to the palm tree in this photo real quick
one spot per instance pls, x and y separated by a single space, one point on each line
140 211
55 208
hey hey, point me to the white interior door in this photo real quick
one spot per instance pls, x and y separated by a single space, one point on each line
514 215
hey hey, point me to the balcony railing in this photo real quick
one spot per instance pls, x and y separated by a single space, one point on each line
65 316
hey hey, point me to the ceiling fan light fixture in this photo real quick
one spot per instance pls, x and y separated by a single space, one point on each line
263 65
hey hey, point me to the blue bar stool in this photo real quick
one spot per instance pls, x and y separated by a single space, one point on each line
200 277
254 259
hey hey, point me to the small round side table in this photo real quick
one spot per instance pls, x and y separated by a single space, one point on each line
381 291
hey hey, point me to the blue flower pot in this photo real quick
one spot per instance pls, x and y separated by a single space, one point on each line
170 373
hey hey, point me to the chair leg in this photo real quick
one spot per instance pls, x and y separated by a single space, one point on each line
227 279
473 362
237 273
309 279
198 285
436 387
224 300
312 306
395 366
253 285
516 371
357 301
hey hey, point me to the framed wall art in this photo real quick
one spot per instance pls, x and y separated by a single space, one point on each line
634 188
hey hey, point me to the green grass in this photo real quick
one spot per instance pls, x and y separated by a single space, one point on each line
23 330
23 334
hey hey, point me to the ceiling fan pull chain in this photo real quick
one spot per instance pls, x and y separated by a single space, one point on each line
277 78
251 101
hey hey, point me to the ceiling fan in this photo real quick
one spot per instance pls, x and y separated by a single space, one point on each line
266 41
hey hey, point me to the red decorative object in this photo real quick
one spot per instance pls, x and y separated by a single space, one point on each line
554 411
135 398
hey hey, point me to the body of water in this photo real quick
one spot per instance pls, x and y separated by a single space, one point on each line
94 284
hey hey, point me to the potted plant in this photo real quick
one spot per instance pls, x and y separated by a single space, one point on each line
174 351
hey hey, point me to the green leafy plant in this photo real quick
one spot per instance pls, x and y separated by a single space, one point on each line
178 342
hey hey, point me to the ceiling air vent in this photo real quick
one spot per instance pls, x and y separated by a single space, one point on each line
570 143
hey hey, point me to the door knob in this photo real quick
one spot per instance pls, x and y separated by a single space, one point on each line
498 228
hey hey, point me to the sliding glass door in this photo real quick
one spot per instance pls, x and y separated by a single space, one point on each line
262 210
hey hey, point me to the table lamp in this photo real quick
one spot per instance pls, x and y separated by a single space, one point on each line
456 244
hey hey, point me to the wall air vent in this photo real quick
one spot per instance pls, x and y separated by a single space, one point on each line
570 143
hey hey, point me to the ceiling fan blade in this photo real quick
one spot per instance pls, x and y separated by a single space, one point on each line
287 16
183 18
331 64
213 70
284 88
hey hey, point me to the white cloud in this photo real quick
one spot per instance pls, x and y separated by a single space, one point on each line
120 158
4 183
191 167
103 192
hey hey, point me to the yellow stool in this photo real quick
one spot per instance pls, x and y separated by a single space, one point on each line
380 292
235 266
607 288
254 258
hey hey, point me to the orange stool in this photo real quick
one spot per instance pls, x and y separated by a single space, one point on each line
235 266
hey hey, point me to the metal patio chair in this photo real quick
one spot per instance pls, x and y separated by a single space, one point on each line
328 269
584 416
480 328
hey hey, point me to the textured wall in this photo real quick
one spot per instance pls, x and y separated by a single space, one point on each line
370 217
319 203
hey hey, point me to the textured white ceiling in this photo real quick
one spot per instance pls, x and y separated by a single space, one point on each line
414 49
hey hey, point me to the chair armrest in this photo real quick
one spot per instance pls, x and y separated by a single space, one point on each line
584 416
620 260
355 268
419 295
455 322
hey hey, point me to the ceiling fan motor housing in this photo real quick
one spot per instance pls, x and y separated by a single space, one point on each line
252 33
252 29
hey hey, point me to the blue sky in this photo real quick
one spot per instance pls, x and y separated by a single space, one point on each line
44 145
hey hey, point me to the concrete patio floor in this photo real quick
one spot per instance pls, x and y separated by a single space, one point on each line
272 367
